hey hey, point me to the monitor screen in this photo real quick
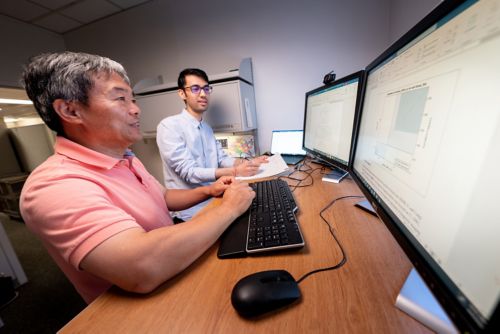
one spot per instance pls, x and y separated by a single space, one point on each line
427 154
329 120
287 142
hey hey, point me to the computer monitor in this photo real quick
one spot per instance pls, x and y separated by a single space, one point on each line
426 154
329 123
288 143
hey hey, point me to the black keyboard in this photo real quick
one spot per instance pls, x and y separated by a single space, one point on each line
272 222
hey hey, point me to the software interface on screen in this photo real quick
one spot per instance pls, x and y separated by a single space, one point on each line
428 146
287 142
329 120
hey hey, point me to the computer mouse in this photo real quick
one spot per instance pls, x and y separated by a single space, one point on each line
263 292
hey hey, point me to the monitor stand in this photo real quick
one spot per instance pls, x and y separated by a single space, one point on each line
335 176
417 300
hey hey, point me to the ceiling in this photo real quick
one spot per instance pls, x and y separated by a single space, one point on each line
62 16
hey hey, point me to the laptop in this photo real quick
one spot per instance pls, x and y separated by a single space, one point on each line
288 143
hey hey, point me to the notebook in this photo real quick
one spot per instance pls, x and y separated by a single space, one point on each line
289 144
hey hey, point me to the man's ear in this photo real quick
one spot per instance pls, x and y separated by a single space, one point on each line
182 94
67 110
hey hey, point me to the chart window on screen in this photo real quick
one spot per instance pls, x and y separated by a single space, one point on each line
428 152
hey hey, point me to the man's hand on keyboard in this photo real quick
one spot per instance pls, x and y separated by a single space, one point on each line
220 185
238 197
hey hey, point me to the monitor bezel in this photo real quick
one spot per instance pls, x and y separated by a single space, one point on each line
441 287
318 155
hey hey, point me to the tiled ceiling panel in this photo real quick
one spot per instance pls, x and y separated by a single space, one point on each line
127 3
53 4
62 16
21 9
90 10
57 23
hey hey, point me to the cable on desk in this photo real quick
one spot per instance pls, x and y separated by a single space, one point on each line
332 232
308 172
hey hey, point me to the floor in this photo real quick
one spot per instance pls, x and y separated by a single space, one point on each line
48 300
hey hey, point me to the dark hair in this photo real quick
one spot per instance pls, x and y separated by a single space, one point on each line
190 71
64 75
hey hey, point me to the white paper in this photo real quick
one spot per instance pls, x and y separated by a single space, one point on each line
275 165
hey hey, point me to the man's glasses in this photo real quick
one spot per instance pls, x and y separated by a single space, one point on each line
196 89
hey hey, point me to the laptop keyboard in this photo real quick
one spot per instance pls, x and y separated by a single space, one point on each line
292 159
272 222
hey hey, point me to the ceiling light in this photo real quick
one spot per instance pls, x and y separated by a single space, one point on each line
14 101
10 119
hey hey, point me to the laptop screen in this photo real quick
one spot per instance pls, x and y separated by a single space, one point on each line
287 142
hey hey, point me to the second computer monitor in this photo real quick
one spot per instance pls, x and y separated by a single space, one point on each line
329 122
427 154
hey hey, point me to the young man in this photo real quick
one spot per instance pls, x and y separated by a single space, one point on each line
191 156
103 218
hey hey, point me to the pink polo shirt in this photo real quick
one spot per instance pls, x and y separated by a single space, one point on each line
78 198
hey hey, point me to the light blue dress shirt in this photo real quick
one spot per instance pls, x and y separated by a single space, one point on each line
190 155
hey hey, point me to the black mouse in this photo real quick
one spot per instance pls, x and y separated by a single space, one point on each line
263 292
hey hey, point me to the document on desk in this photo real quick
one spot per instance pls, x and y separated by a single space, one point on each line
276 165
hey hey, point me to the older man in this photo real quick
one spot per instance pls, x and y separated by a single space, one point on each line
103 218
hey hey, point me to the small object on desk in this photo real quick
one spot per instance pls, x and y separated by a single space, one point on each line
365 205
267 153
263 292
336 175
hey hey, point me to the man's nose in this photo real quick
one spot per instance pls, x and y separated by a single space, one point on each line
134 109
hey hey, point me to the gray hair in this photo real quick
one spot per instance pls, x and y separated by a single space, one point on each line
64 75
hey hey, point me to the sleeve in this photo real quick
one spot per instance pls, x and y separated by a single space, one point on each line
223 159
175 154
72 222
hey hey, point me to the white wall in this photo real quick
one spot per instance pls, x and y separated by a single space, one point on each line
292 45
20 41
406 13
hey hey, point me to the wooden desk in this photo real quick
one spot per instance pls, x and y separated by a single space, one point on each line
357 298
